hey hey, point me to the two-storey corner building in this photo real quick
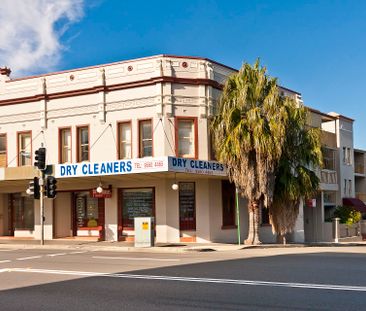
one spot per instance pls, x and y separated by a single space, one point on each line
139 130
135 128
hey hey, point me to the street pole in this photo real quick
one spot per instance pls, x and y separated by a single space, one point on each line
237 212
41 203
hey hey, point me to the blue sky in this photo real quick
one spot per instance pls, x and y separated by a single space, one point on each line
314 47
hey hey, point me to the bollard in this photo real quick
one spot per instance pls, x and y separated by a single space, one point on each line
336 229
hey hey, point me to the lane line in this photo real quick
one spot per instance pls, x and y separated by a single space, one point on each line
135 258
8 250
57 254
199 280
28 258
4 261
78 252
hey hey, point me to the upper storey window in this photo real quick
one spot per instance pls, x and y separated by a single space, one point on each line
124 138
347 155
186 139
24 148
3 150
83 144
145 137
65 145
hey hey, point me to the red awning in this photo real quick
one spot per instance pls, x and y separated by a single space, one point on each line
357 204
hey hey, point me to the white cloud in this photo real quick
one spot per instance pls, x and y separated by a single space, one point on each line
31 30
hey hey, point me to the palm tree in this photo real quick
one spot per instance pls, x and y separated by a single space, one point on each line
296 178
249 133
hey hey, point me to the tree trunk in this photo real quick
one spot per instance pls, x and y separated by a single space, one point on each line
281 239
253 234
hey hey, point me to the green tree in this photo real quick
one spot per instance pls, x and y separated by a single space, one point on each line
296 178
249 133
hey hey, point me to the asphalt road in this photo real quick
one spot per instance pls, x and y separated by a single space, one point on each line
252 279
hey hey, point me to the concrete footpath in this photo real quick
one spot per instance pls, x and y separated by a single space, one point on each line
158 248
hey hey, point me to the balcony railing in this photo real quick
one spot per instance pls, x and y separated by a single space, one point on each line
359 168
328 177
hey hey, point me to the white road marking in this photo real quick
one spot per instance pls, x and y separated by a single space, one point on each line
135 258
57 254
79 252
8 250
4 261
27 258
191 279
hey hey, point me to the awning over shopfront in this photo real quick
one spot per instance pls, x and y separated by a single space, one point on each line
140 165
357 204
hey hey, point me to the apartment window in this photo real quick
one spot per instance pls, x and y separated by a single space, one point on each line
228 204
186 140
24 148
83 143
65 145
349 187
125 146
3 150
145 135
347 156
345 187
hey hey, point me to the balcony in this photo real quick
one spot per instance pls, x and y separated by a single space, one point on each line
328 177
359 168
328 180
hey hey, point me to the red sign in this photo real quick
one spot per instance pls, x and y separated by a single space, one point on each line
106 193
311 202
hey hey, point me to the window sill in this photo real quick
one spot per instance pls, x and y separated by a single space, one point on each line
229 227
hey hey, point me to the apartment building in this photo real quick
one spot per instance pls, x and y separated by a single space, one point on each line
139 130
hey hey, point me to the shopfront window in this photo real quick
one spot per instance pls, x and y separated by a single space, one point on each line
3 150
138 202
23 212
87 210
24 149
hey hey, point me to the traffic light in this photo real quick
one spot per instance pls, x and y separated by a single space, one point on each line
51 186
33 188
40 159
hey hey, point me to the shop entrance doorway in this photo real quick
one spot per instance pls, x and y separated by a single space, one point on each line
187 211
20 214
88 215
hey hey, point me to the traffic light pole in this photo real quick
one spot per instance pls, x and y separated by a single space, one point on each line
41 204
